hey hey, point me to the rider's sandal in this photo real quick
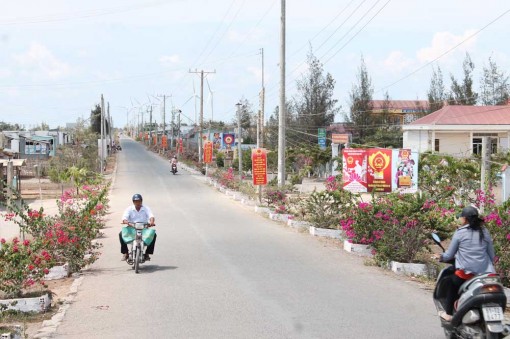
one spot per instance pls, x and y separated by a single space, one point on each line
445 316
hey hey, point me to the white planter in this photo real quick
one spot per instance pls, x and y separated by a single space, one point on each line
57 272
229 192
262 210
409 268
15 332
325 232
279 216
238 196
298 223
360 249
247 201
35 304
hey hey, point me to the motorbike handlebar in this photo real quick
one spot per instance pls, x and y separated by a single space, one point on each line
132 224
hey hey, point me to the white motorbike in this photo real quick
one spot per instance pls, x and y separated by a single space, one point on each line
479 312
137 236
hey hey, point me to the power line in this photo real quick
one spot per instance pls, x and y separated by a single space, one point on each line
445 53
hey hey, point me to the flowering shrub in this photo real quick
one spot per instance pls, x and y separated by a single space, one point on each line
497 221
333 183
396 225
22 264
228 178
67 236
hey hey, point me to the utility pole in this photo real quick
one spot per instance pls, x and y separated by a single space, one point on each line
110 127
201 124
282 113
239 150
485 168
102 134
150 125
260 120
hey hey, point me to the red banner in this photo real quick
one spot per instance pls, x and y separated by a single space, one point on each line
379 170
180 149
355 169
208 152
164 141
259 166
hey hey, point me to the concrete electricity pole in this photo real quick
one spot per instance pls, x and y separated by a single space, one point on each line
201 124
282 114
239 150
102 135
150 124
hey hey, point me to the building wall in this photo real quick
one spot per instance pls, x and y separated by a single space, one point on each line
417 140
456 144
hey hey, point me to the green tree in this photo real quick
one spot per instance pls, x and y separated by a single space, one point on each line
95 120
248 122
4 126
314 104
361 103
495 89
436 93
463 94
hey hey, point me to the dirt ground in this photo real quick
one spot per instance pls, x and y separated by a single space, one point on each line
31 323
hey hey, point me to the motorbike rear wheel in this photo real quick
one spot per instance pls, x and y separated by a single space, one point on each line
137 258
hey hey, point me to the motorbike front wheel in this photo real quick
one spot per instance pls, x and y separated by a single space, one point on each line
137 258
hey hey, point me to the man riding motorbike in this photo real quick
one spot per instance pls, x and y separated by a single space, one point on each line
137 213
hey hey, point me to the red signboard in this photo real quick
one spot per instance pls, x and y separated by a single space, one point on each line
164 141
259 166
179 147
379 170
208 152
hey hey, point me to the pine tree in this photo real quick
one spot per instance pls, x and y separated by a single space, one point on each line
436 93
314 105
463 94
495 89
361 103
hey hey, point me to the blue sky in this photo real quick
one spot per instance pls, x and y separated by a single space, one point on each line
57 58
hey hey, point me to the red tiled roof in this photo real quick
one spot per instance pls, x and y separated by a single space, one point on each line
401 104
467 115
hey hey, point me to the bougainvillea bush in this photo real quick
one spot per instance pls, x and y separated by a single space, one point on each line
68 236
23 264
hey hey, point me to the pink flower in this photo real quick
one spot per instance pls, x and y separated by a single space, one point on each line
508 237
26 243
46 271
2 241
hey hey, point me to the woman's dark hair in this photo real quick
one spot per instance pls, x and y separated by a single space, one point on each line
476 224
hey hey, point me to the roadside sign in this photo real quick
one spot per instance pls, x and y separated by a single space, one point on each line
340 138
208 152
259 166
322 138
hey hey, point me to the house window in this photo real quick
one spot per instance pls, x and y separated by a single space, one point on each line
436 145
477 146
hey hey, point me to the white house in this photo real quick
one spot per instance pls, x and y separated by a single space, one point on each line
458 130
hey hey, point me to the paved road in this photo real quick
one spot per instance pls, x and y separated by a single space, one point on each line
222 271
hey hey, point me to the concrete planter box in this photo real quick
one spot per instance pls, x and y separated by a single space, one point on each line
248 201
238 196
15 332
279 216
229 192
409 268
360 249
262 210
325 232
34 304
57 272
300 224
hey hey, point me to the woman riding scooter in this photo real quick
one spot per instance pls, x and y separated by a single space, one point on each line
473 251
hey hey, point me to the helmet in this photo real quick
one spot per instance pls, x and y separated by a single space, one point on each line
175 156
137 197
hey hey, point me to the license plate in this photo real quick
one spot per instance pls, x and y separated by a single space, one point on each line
492 313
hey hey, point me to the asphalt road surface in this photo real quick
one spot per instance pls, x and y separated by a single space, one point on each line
222 271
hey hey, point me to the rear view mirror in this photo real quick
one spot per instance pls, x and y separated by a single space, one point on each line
437 240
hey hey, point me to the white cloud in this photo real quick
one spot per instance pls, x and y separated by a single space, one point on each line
396 61
442 42
168 60
39 62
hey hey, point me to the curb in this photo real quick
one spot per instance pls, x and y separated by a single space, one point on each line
49 327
